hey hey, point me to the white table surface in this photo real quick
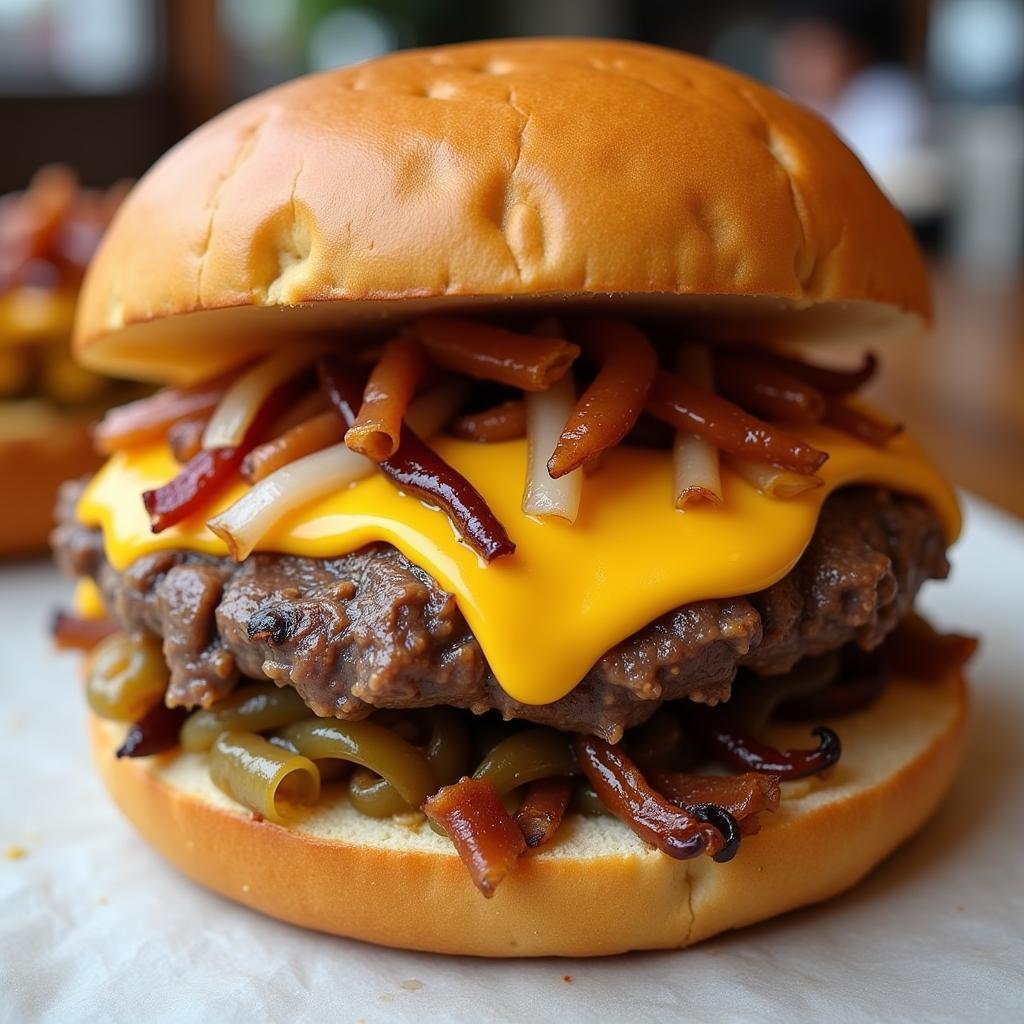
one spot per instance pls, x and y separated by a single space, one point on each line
94 926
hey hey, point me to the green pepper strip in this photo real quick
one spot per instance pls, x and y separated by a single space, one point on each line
262 776
526 757
255 708
369 745
447 753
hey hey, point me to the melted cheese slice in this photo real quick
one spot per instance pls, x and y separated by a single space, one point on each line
88 601
544 615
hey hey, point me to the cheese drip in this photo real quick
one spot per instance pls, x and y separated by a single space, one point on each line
544 615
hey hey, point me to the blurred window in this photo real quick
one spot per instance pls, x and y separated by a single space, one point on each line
82 46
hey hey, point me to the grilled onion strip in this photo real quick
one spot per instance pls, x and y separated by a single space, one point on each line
185 438
626 793
743 796
492 353
504 422
770 480
243 400
484 834
147 420
155 732
540 814
312 477
74 633
418 470
688 407
866 426
827 380
312 435
546 415
695 464
768 390
731 745
376 430
611 405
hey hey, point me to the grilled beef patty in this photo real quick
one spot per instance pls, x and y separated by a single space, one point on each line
372 630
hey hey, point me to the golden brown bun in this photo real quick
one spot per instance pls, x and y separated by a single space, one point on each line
40 448
598 889
539 169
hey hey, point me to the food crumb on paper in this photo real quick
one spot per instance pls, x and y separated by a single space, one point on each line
15 852
412 985
567 978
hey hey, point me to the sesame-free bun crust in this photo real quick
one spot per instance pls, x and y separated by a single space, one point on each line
597 890
40 448
541 171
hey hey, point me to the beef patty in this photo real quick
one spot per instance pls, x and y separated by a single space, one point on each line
372 630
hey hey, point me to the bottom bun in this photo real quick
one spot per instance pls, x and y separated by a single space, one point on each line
40 448
597 889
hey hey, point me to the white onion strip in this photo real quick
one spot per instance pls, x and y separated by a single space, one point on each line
244 398
245 523
770 480
696 476
546 416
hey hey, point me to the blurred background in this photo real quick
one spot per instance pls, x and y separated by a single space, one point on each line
929 93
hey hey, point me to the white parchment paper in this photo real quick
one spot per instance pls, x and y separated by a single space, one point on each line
94 926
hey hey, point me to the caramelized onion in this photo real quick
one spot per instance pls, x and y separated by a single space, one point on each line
72 633
148 419
744 796
688 407
185 438
206 472
626 793
157 730
770 480
505 422
695 463
328 471
611 405
730 745
483 833
867 426
827 380
417 469
198 480
249 392
768 390
543 807
377 428
546 415
917 650
312 435
492 353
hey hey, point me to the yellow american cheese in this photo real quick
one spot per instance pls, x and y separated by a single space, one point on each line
88 602
570 592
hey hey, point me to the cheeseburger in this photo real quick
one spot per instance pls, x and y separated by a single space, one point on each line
47 401
508 567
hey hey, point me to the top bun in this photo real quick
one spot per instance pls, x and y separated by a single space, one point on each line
540 170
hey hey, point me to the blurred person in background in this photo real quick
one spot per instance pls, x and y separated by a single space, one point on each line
840 57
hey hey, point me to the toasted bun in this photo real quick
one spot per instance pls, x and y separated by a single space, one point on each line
40 448
597 890
539 170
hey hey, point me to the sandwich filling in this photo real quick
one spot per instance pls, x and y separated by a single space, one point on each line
314 561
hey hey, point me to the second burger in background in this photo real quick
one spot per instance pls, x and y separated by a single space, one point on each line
48 234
